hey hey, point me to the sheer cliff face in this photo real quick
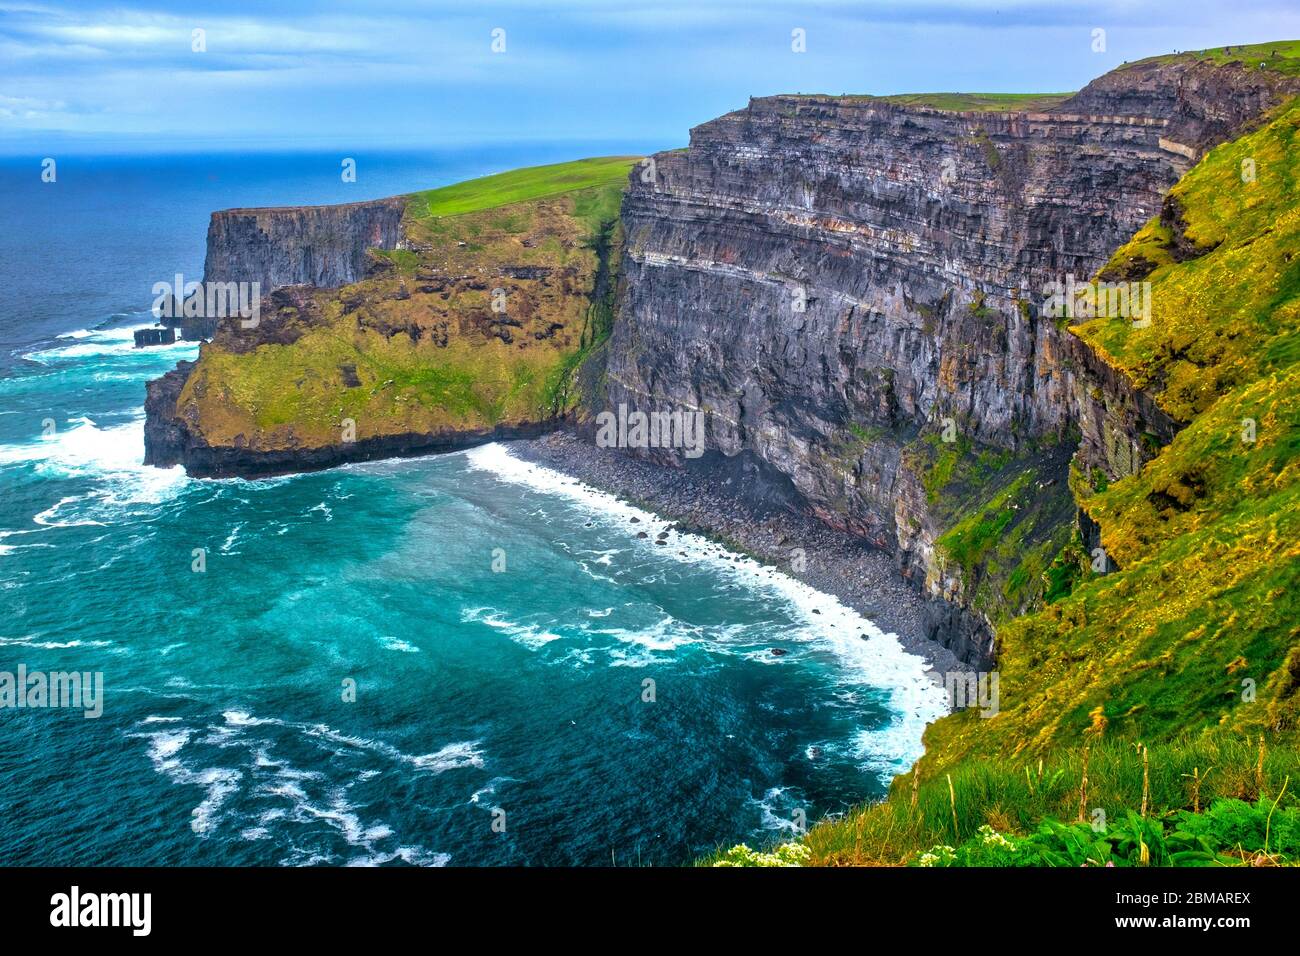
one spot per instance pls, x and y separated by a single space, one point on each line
916 243
909 237
322 246
828 278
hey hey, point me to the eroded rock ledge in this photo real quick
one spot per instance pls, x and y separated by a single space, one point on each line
323 246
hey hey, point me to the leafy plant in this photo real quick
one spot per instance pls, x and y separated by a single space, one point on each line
785 854
1229 833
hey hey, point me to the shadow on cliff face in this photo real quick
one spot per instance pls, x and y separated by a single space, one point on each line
748 476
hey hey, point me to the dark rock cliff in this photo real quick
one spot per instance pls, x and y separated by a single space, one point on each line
165 437
323 246
1202 103
830 278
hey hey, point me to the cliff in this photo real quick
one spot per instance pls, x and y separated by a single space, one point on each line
1192 643
322 246
417 324
853 291
1203 99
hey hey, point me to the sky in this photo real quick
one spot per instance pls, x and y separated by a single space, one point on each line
377 74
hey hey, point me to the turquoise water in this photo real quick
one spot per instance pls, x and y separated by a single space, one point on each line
500 623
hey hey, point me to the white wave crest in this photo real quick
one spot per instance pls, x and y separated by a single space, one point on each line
869 655
111 456
97 343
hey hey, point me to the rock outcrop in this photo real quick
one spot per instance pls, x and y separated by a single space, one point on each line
322 246
144 338
389 329
1201 102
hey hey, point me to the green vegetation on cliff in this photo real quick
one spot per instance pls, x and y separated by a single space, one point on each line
1280 55
1226 314
601 180
1191 648
501 288
959 102
981 102
1001 518
1016 796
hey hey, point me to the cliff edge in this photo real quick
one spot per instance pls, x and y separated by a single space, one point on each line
404 326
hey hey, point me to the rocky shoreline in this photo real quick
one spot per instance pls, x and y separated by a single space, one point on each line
833 562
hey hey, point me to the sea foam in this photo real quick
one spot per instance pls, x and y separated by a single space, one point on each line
868 654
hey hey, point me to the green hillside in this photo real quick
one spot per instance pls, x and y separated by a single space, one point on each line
1280 55
420 345
1186 661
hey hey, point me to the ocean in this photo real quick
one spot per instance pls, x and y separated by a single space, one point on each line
453 660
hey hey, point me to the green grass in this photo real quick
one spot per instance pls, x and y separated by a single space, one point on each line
981 102
1229 833
1014 796
940 472
1000 519
969 541
958 102
531 183
404 260
866 435
1280 55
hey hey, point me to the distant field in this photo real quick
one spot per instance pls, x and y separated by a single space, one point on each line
964 102
520 185
981 102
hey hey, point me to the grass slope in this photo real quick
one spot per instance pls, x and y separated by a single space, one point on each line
1193 647
957 102
1280 55
1015 796
525 185
981 102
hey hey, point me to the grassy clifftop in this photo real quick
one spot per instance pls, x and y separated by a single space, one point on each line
1206 534
477 320
956 102
981 102
599 180
1280 55
1192 648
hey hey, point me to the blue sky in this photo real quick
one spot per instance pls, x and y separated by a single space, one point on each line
379 73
